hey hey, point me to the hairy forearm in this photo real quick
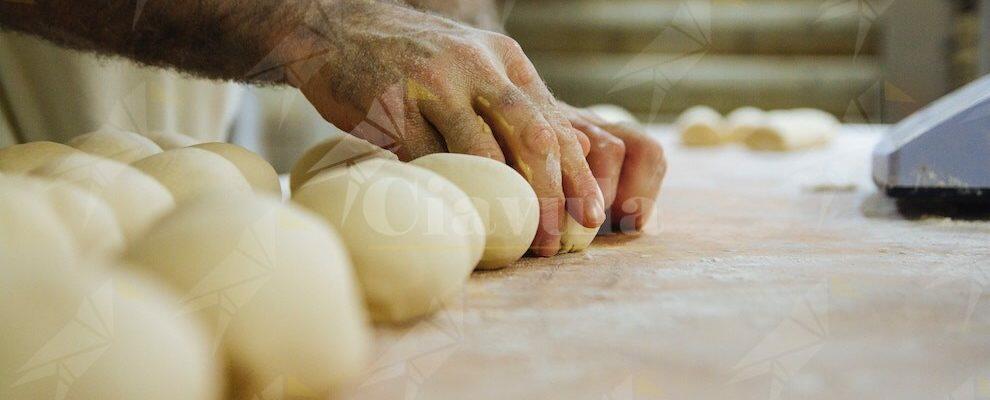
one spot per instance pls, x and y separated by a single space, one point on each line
223 39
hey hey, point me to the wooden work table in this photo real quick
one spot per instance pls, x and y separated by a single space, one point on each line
767 276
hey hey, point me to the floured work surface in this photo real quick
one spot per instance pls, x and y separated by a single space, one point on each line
772 276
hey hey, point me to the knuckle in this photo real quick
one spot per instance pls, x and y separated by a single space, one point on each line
651 150
653 155
510 97
612 146
505 42
517 66
540 137
520 71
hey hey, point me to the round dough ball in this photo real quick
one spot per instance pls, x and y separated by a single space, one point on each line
576 237
413 236
137 199
171 140
446 198
743 122
271 280
258 172
507 204
190 172
119 336
613 114
21 158
788 130
338 151
119 145
31 233
702 126
87 217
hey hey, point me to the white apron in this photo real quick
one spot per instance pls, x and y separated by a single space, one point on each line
50 93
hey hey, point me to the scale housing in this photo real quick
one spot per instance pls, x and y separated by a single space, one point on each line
942 152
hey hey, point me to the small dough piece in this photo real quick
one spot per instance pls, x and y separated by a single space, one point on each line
119 145
507 204
613 114
136 199
258 172
22 158
413 247
75 334
743 122
789 130
702 126
31 233
271 280
171 140
576 237
340 151
87 217
190 172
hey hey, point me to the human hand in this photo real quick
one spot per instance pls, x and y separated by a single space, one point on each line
628 165
417 84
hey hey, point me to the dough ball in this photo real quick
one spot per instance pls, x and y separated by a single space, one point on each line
743 122
117 336
701 126
507 204
190 172
789 130
119 145
21 158
613 114
171 140
576 237
411 234
87 217
258 172
272 281
461 209
137 199
343 150
31 233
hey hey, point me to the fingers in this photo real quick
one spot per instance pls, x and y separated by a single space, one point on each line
639 182
531 147
584 199
420 139
582 138
605 157
463 130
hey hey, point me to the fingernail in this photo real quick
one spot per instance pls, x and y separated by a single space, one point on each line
595 211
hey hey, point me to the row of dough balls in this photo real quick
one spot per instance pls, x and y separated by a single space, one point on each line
779 130
228 279
190 252
416 230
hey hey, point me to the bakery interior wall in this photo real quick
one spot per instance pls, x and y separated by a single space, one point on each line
862 60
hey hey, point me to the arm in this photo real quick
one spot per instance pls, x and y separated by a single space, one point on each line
222 39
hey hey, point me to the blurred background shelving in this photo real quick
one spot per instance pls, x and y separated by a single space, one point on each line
862 60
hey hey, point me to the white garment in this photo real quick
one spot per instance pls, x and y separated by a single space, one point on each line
51 93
